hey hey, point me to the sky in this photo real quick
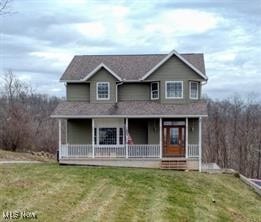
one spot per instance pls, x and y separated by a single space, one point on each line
38 38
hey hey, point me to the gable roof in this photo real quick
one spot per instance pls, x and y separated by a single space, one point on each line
126 67
98 68
181 58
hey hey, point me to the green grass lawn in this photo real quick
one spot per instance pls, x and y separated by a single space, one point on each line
74 193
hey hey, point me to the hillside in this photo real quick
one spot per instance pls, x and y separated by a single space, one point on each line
20 156
74 193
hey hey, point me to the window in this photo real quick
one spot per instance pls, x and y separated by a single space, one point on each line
174 89
193 90
108 136
154 90
103 90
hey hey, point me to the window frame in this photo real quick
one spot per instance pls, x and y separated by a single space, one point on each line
151 91
190 84
97 94
97 138
166 90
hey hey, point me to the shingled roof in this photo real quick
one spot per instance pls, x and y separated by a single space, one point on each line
127 67
78 109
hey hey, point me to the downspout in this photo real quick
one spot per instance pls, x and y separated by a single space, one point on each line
117 84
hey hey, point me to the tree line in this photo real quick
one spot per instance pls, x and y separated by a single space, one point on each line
231 133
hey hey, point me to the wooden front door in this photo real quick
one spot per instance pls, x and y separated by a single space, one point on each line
174 141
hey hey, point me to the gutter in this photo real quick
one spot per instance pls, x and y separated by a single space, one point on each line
116 93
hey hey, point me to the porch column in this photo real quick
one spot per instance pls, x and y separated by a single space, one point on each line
186 138
199 142
93 126
126 136
60 138
160 136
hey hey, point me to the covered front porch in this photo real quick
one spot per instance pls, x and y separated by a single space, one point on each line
131 139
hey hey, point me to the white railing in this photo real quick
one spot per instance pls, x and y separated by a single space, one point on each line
193 150
76 150
144 151
111 151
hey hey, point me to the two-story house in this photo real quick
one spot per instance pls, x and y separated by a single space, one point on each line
133 110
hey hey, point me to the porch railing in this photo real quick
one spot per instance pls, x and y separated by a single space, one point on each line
193 150
144 151
109 151
118 151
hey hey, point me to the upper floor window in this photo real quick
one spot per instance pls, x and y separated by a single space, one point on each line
174 89
154 90
193 94
103 90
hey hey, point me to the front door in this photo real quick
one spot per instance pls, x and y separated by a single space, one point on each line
174 141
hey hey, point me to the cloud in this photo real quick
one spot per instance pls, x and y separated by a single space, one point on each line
39 40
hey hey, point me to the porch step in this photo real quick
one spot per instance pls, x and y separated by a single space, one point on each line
174 164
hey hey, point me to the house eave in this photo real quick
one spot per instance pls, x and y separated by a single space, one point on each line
124 116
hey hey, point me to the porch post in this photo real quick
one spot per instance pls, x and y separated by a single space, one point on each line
126 136
200 143
60 138
93 153
160 136
186 138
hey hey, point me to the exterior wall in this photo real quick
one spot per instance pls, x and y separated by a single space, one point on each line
134 91
175 70
79 131
193 131
102 76
78 91
138 131
153 131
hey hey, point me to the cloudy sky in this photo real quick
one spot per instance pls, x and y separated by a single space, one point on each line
39 38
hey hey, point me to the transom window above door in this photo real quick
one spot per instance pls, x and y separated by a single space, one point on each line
174 89
103 90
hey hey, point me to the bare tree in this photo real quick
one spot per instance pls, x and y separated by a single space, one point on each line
4 7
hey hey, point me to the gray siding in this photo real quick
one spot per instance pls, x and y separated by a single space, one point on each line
153 131
79 131
174 70
134 91
102 76
138 131
193 130
78 91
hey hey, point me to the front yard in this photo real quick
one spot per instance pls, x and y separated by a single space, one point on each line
74 193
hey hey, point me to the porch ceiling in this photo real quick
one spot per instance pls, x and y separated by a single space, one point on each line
78 109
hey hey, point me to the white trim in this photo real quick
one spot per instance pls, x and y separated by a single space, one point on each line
200 144
190 90
186 137
127 137
93 145
167 58
109 91
160 136
123 116
117 135
182 89
151 97
97 69
60 138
